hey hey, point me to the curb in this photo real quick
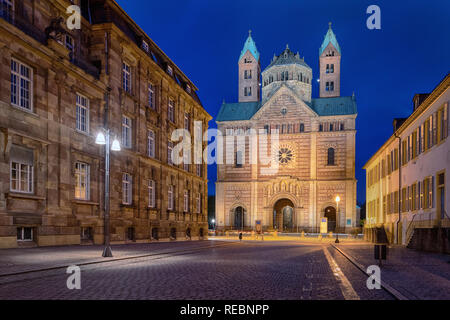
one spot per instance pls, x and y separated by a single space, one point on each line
395 293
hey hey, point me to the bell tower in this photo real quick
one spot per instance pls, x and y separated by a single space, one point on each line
330 66
249 72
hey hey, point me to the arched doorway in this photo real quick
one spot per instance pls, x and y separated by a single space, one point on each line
330 213
239 218
283 216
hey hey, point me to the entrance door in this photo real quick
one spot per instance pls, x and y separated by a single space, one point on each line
288 215
330 213
239 218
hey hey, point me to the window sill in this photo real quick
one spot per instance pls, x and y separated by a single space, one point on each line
24 110
86 202
29 196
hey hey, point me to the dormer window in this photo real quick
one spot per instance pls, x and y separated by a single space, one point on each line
170 70
145 46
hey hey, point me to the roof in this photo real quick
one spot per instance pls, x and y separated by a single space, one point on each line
329 37
250 45
337 106
322 106
287 57
238 111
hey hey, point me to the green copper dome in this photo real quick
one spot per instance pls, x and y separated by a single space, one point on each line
250 45
330 37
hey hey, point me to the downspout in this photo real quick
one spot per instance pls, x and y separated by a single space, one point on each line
399 183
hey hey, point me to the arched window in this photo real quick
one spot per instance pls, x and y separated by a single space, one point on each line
331 157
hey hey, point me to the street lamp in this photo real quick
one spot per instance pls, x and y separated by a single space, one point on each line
338 199
213 221
104 139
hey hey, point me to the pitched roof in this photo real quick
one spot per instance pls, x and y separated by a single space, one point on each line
238 111
337 106
242 111
287 57
329 37
250 45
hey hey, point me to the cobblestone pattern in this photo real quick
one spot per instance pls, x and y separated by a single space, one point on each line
241 271
415 274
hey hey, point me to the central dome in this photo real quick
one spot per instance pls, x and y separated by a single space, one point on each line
287 57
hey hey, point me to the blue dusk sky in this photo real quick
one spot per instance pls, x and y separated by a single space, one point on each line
385 68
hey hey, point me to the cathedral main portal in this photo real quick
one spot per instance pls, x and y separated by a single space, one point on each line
283 216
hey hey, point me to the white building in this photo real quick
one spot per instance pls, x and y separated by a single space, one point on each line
408 175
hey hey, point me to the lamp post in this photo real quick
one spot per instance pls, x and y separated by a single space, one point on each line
338 199
213 221
104 139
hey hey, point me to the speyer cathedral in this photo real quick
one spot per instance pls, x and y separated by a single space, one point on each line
316 145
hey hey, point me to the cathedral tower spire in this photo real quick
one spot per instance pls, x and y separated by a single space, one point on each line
249 72
330 66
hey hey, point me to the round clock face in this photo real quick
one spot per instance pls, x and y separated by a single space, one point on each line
285 155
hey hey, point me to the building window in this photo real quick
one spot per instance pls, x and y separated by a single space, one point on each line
21 175
302 127
187 121
331 157
82 114
199 170
169 152
127 189
248 91
24 234
188 88
247 74
320 127
7 10
151 144
186 201
170 198
126 77
87 234
82 181
151 194
145 46
151 96
21 85
170 70
199 203
171 110
342 127
126 132
239 160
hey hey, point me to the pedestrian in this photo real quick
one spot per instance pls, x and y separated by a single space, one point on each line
240 236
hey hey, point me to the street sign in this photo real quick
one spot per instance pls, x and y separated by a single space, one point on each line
324 225
258 227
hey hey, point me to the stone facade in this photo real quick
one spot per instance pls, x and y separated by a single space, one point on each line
315 151
407 178
52 185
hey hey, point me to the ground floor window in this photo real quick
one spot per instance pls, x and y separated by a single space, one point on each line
24 234
131 234
155 235
87 233
173 233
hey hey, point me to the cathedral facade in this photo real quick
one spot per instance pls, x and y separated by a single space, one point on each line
315 176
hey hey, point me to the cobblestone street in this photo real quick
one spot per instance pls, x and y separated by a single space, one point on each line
205 270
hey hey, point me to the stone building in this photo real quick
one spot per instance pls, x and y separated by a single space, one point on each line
407 177
57 88
316 149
